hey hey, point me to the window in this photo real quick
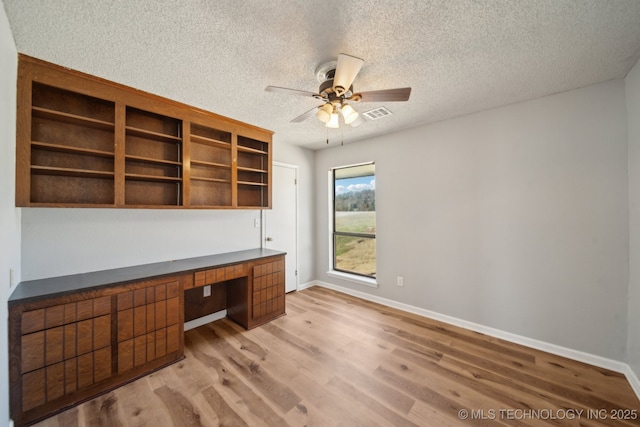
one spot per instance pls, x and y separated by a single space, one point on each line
354 220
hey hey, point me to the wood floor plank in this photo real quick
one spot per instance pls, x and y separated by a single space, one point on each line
336 360
227 380
271 387
182 411
226 415
349 391
497 396
103 411
346 369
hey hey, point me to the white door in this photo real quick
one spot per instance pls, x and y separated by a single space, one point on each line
281 221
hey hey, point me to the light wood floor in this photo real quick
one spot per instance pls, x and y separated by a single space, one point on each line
335 360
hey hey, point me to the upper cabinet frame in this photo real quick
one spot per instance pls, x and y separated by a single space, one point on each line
83 141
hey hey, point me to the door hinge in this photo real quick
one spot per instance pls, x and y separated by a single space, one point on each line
295 181
296 272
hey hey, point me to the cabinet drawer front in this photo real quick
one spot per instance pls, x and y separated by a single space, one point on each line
199 278
268 297
65 348
142 329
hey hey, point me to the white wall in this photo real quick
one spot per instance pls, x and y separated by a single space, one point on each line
9 215
633 121
514 218
305 160
57 242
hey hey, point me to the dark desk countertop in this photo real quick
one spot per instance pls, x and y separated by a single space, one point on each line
36 289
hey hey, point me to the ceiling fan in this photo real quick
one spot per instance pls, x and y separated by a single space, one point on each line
336 91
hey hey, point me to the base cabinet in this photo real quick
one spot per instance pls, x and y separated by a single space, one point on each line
72 338
67 349
262 299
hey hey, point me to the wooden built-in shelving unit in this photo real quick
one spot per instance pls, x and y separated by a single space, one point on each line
87 142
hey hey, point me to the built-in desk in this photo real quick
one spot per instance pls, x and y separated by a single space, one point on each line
74 337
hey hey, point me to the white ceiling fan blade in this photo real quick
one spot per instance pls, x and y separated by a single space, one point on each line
347 69
288 91
304 116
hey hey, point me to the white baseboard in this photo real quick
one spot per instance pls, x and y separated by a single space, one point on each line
306 285
558 350
633 380
205 319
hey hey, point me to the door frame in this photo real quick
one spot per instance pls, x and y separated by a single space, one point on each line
263 218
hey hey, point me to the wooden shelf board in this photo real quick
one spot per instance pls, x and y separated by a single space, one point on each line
244 169
75 205
204 140
70 149
152 160
153 178
198 178
49 170
46 113
144 133
260 184
250 150
198 206
215 165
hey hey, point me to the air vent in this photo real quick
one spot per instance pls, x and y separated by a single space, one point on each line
377 113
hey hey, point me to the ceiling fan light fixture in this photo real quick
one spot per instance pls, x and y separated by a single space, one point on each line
333 123
349 114
324 113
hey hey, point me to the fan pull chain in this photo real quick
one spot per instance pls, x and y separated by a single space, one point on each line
327 136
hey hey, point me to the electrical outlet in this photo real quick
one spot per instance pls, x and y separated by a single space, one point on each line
11 278
256 222
207 291
400 281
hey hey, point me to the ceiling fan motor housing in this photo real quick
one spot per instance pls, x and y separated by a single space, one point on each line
328 93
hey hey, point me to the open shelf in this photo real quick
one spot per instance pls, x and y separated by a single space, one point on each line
251 150
48 170
147 123
210 179
62 104
210 141
70 149
151 191
259 184
210 192
144 133
152 178
211 167
253 173
211 164
152 160
71 118
252 170
71 188
82 142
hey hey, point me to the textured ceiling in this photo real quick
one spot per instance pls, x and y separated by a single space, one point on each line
459 56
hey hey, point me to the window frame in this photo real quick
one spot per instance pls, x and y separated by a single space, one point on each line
333 270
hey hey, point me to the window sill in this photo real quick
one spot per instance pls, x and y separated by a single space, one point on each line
353 278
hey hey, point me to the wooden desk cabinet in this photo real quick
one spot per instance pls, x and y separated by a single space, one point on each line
72 338
65 349
258 301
